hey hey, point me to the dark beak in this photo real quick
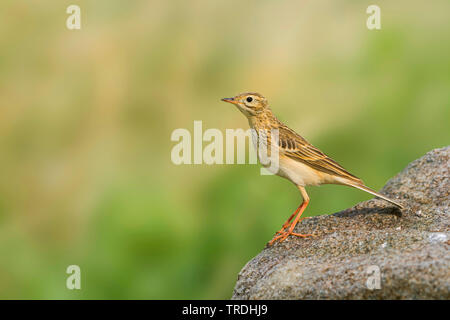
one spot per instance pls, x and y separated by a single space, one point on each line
230 100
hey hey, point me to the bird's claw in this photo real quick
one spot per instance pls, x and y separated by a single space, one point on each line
283 236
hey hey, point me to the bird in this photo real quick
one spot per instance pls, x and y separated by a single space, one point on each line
298 160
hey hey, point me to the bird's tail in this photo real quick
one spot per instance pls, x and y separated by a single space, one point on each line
367 189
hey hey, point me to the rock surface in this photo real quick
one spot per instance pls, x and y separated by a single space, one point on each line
411 250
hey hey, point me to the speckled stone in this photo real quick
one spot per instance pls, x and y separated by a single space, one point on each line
411 248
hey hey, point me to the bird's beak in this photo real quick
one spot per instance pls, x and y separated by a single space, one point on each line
230 100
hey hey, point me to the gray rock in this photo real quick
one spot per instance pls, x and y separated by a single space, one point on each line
410 250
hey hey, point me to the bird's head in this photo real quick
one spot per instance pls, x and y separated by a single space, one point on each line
250 104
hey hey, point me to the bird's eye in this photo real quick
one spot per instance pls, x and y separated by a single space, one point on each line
249 99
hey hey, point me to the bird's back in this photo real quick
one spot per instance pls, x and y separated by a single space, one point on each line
295 147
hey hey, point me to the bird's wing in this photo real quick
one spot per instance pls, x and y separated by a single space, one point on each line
297 148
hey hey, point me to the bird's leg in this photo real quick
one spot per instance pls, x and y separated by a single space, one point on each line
288 221
284 234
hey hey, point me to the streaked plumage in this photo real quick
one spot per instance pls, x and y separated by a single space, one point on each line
299 161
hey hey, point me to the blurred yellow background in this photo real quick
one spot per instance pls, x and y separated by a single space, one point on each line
87 115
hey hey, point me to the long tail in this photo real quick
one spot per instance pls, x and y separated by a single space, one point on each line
367 189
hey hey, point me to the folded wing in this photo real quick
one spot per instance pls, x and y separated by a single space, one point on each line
297 148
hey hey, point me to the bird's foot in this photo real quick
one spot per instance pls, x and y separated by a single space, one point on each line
283 235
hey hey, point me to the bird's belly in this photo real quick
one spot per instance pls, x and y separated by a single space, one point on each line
301 174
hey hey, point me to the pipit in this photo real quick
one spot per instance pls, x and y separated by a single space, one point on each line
299 161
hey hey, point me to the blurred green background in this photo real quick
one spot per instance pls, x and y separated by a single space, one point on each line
87 115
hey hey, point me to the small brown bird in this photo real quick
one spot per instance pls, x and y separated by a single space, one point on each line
299 161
